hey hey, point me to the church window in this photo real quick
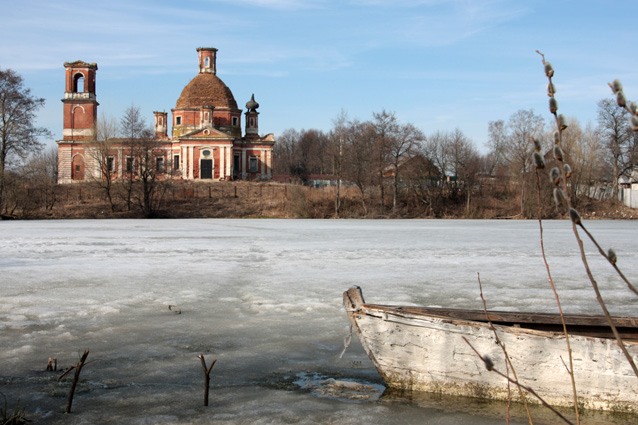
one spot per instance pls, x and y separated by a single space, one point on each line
175 162
129 164
110 164
235 121
207 62
178 120
159 164
78 83
252 122
252 167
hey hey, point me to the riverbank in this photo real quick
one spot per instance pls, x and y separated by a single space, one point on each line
277 200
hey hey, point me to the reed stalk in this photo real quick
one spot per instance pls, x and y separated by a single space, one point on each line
564 199
489 365
508 361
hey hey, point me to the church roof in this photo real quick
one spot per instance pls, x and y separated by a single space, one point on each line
206 89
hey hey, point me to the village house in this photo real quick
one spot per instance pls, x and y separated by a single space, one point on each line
206 140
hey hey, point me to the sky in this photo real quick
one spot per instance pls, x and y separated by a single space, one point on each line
438 64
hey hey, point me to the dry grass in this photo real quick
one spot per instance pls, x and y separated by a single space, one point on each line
276 200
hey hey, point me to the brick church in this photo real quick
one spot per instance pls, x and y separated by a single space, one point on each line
206 141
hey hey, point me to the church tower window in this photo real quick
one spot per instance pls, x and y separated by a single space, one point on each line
78 83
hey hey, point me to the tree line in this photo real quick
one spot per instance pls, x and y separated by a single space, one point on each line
393 167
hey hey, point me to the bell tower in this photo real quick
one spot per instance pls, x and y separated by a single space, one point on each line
80 103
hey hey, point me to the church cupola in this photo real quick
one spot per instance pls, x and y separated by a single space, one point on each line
207 60
252 117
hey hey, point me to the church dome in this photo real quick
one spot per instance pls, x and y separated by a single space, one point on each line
206 89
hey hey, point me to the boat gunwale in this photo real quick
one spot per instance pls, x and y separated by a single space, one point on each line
577 324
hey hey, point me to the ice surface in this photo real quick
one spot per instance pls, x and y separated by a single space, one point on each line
264 298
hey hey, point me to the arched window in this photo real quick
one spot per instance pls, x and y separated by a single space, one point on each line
207 62
78 83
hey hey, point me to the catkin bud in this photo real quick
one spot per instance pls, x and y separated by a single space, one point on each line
620 99
611 255
559 197
561 122
489 364
538 160
558 153
567 169
551 90
575 216
633 108
616 86
549 71
634 122
556 138
553 105
537 144
554 176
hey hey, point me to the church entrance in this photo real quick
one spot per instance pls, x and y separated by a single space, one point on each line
206 169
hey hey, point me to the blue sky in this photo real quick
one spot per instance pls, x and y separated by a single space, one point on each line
439 64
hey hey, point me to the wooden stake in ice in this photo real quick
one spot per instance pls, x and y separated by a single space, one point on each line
207 371
76 378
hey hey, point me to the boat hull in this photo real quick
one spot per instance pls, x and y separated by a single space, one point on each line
436 354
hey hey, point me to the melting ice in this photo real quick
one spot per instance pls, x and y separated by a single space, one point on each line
263 297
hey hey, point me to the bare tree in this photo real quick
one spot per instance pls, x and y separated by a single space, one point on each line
359 149
312 153
402 147
522 126
105 156
151 160
497 143
613 126
385 125
337 138
302 153
591 174
133 129
284 151
513 145
435 149
458 161
41 172
18 133
465 163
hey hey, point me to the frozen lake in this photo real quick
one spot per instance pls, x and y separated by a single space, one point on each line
264 298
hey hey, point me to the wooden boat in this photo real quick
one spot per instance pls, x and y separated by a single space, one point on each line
428 349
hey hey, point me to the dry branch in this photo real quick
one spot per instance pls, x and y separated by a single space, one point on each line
207 371
76 378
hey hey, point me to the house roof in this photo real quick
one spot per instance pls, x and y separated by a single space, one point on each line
206 89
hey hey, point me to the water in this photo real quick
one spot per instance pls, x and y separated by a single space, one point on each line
263 297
